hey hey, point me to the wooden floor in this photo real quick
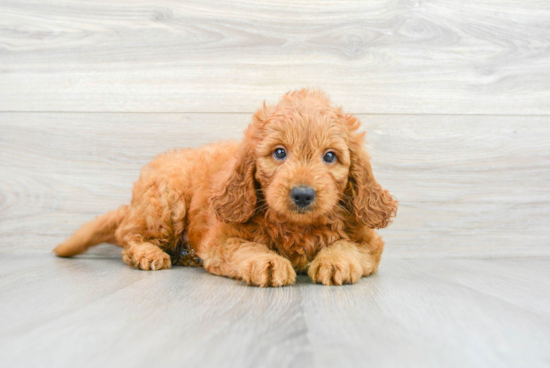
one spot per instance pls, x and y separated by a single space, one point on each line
95 311
454 96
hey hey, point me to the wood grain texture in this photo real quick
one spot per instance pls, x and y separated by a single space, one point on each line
95 311
383 56
468 186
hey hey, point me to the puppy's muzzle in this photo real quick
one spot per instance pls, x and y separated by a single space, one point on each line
302 196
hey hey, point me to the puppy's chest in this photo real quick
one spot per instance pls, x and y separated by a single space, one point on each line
301 245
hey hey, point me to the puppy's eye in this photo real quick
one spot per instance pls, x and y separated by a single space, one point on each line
329 157
279 153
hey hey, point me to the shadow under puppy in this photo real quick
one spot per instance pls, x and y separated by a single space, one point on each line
297 194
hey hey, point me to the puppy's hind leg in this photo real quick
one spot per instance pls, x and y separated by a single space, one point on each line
145 256
155 221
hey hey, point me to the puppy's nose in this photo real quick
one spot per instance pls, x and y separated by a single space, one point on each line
302 196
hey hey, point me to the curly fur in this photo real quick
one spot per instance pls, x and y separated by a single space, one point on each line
230 202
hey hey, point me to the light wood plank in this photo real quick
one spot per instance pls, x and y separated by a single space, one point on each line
406 316
183 315
521 282
95 311
469 186
380 56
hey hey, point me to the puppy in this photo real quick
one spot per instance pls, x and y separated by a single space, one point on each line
297 194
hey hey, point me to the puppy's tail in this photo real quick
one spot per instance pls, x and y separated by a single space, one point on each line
100 230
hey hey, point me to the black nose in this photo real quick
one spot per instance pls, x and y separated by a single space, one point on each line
302 196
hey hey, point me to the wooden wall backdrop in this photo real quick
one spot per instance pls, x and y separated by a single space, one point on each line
454 95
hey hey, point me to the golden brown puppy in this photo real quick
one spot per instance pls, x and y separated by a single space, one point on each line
297 194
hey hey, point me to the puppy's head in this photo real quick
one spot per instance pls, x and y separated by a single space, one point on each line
308 161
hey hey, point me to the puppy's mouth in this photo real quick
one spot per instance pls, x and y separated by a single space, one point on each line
302 210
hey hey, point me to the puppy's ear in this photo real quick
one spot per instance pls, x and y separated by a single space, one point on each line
371 204
234 193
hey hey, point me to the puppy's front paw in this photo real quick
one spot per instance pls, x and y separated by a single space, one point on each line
147 258
268 270
333 267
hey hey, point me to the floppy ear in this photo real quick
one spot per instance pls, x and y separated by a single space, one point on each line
372 205
234 194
